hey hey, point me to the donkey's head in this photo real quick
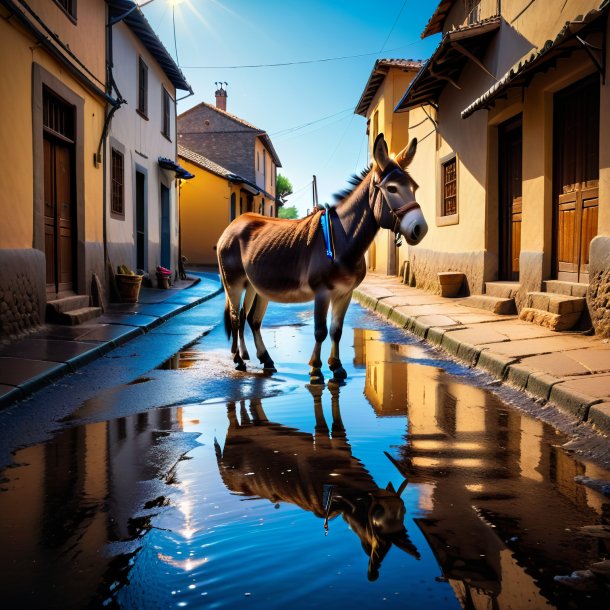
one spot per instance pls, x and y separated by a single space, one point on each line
400 211
384 527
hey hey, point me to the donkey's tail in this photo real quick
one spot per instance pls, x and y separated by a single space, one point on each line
228 328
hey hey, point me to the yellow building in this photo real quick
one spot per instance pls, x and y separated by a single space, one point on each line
210 201
514 176
54 105
387 83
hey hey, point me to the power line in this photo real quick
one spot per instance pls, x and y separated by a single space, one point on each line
402 8
294 63
302 126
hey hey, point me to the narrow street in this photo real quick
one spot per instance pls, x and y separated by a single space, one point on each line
158 477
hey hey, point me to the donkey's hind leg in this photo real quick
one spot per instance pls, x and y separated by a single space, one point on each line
233 301
245 308
255 320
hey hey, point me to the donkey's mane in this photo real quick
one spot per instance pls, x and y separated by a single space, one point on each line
355 181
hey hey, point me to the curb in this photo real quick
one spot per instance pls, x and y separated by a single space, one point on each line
507 369
27 388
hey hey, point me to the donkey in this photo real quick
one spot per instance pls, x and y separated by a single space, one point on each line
285 261
317 473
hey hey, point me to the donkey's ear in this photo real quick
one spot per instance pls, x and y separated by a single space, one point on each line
380 152
405 156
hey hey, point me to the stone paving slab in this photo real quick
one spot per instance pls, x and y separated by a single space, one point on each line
545 345
599 416
573 362
17 371
129 319
108 332
56 350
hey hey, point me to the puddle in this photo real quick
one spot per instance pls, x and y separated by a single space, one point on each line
407 487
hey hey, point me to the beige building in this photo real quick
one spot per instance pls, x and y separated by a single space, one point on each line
386 84
514 176
54 102
209 202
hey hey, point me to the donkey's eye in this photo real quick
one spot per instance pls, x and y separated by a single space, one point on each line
392 189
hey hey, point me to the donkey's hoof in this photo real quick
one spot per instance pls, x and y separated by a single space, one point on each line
316 378
241 366
269 368
245 356
339 373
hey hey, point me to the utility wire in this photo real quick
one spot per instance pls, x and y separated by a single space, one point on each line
294 63
303 125
402 8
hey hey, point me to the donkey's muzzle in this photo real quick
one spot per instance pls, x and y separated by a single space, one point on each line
413 226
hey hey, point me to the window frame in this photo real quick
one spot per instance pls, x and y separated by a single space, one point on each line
69 9
142 108
117 188
166 113
442 217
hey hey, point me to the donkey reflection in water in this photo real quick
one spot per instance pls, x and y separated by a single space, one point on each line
317 473
290 261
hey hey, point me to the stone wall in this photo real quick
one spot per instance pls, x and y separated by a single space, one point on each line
426 264
22 292
598 295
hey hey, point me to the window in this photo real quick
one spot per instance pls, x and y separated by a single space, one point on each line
449 187
375 125
69 7
166 114
117 205
233 206
262 206
142 88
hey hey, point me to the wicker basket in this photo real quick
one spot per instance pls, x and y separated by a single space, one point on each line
128 287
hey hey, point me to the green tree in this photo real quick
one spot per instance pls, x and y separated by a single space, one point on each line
289 212
283 187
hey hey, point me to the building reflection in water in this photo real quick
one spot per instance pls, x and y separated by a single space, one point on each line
65 500
503 508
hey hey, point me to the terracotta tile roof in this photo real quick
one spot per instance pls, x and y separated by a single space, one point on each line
204 163
446 63
527 65
378 73
435 23
218 170
262 134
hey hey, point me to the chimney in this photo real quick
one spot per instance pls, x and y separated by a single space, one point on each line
221 96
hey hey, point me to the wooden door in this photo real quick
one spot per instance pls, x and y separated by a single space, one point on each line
576 196
510 211
58 216
59 200
140 220
165 228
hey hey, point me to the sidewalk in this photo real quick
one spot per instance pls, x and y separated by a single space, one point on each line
45 355
569 370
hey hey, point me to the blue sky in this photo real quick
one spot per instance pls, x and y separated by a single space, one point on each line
279 99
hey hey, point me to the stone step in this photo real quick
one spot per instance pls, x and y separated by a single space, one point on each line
78 316
553 321
504 290
573 289
555 303
498 305
68 303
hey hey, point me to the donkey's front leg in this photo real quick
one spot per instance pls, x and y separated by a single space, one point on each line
320 312
339 308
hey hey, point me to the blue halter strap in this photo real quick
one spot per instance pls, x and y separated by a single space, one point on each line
327 233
